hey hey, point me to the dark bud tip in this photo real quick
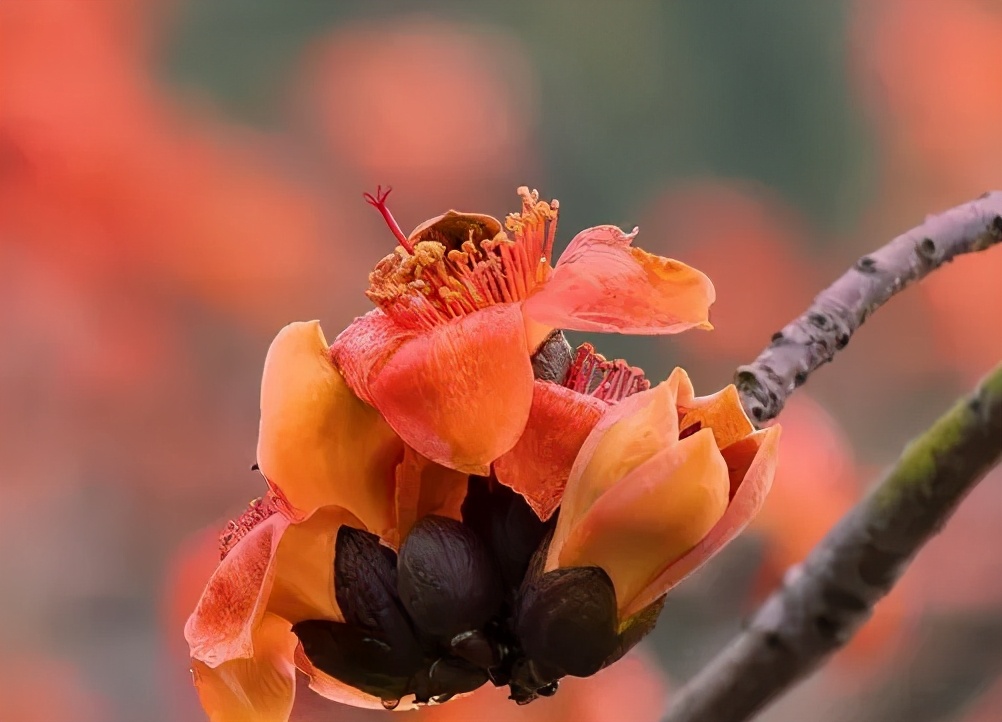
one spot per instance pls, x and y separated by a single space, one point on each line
553 358
474 647
357 657
447 579
566 621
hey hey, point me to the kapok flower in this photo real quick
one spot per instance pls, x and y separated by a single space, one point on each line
462 304
662 482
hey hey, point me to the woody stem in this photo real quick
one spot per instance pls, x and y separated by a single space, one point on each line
813 339
825 599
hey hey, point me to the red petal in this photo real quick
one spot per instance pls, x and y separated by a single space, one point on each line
234 600
362 349
539 465
601 283
459 394
748 499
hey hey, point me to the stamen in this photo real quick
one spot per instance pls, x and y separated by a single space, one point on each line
257 511
379 203
591 373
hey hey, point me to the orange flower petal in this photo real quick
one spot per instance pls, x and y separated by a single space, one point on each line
654 515
318 443
629 433
425 488
460 393
746 501
362 349
601 283
303 585
253 689
721 412
235 599
539 465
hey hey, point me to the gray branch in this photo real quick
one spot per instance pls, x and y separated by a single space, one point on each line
826 598
814 338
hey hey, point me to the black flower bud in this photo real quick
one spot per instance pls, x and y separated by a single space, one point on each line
566 621
447 579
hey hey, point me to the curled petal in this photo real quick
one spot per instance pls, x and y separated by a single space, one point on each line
653 516
460 393
235 598
601 283
260 688
318 442
539 465
754 461
425 488
721 412
630 433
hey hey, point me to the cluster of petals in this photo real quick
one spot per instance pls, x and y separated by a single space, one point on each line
386 425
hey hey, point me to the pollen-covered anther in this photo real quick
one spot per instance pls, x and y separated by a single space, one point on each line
236 529
591 373
463 262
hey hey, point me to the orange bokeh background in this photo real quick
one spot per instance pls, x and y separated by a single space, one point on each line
179 179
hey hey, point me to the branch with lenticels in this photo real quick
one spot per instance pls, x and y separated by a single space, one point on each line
825 599
813 339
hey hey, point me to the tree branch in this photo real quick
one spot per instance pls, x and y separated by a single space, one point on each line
814 338
826 598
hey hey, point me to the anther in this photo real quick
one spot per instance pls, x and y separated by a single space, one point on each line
379 203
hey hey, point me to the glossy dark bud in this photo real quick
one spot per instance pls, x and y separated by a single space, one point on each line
447 677
365 586
447 578
566 621
358 658
506 523
476 648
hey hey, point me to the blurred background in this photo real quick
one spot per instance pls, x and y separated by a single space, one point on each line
179 178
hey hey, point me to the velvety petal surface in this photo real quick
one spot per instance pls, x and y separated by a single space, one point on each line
539 465
602 283
235 599
252 689
319 444
655 514
721 412
460 393
754 460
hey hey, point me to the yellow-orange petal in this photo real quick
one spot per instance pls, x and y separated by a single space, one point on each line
318 442
538 466
236 597
653 516
460 393
303 586
260 688
721 412
756 456
601 283
630 433
425 488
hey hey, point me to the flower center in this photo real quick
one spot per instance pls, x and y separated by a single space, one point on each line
459 263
